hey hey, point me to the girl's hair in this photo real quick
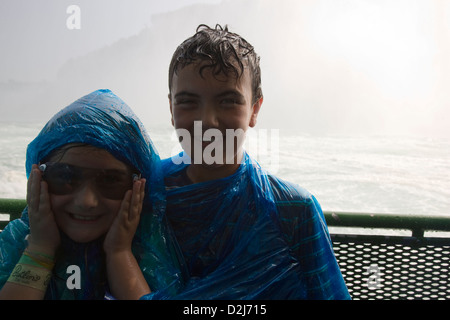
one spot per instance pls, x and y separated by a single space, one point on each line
57 154
228 53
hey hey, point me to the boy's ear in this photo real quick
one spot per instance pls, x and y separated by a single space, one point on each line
255 110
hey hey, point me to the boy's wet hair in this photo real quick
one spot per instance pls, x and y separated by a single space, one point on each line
228 53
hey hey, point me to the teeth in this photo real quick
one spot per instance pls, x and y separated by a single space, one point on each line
86 218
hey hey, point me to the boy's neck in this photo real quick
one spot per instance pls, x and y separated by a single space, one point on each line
201 173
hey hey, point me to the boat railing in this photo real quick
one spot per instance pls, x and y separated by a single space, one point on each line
381 256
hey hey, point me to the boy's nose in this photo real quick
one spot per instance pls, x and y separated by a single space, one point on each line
86 196
209 117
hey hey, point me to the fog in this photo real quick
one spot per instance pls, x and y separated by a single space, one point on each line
329 66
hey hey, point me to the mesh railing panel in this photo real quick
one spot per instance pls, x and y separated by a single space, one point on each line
394 269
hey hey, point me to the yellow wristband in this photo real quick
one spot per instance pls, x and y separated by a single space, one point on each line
31 276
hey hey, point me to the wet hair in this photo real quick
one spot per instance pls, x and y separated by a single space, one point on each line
227 52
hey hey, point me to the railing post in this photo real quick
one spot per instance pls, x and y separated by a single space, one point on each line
418 233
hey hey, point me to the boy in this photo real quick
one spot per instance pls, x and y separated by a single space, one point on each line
244 234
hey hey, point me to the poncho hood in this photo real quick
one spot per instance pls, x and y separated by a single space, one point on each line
102 120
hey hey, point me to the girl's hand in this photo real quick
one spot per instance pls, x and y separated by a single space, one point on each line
44 233
123 228
125 278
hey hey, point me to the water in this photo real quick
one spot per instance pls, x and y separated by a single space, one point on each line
374 174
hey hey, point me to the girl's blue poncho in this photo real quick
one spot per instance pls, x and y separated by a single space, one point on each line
103 120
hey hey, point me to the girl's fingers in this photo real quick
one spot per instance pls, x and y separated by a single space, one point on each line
44 198
137 199
30 179
34 190
142 195
131 206
125 206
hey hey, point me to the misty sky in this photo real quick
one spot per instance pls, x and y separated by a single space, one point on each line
381 65
36 42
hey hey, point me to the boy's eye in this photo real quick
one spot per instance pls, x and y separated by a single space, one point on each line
185 104
230 102
184 101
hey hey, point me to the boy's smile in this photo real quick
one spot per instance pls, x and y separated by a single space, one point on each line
218 101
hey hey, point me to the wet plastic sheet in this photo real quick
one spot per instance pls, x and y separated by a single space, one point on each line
251 236
103 120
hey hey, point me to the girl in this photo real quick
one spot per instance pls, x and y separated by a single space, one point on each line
94 226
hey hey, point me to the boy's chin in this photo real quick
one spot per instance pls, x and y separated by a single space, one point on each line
211 161
217 164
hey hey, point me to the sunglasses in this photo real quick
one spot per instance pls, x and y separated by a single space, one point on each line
64 179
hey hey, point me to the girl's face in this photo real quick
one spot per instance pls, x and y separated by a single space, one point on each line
85 214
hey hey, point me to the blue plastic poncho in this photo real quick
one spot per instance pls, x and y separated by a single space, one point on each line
251 236
103 120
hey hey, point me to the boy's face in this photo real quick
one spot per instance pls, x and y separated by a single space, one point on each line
218 101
